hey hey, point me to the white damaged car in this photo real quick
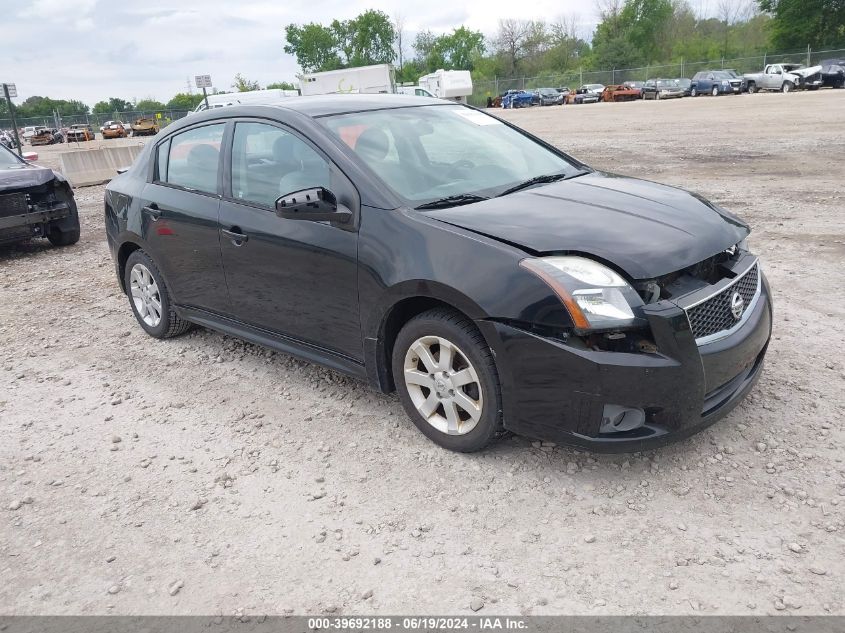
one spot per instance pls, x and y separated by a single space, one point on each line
785 78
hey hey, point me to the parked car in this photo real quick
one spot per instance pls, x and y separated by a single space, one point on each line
620 93
635 85
80 132
429 248
35 202
715 82
684 84
833 73
46 136
564 91
547 97
145 126
517 99
7 139
588 93
785 78
114 129
662 89
30 130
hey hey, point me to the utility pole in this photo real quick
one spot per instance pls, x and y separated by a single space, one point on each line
9 91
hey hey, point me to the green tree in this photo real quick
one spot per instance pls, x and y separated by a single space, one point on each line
366 39
646 24
149 105
361 41
114 104
184 101
798 23
313 45
281 85
242 84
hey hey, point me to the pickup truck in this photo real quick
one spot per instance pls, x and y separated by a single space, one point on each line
785 77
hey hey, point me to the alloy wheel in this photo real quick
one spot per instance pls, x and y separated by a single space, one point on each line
145 295
443 385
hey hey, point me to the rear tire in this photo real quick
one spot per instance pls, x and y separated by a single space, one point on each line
146 287
453 397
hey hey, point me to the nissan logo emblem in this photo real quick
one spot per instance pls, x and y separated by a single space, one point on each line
737 305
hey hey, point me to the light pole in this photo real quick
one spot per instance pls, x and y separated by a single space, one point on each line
9 91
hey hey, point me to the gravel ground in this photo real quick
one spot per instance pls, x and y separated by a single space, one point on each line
206 475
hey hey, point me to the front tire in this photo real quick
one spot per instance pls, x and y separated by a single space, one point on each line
150 299
752 88
693 92
715 91
447 380
786 87
65 232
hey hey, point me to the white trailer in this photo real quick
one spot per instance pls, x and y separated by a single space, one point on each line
448 84
362 80
252 97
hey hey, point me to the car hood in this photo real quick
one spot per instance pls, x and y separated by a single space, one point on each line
646 229
805 72
24 176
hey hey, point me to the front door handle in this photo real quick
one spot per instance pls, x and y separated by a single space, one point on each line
153 210
235 235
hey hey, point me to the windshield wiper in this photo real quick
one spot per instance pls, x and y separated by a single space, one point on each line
536 180
452 201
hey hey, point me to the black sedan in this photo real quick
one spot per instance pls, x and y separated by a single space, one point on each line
35 201
492 280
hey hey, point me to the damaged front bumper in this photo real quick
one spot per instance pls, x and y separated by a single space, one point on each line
554 390
21 217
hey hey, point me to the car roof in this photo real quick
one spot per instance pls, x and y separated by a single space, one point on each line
324 105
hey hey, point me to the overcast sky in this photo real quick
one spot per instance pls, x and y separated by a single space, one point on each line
94 49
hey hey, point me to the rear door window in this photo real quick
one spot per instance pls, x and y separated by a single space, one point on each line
193 159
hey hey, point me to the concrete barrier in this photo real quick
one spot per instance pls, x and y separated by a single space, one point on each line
95 166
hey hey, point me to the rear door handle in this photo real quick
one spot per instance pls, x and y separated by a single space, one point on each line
237 237
153 210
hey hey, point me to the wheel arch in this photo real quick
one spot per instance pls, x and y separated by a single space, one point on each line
399 307
123 253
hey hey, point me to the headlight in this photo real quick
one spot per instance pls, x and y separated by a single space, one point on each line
596 297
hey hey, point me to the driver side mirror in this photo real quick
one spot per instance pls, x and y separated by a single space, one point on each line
317 204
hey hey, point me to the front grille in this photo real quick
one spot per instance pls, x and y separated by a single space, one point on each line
13 204
714 315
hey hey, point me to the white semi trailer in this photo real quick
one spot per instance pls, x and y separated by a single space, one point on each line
362 80
455 85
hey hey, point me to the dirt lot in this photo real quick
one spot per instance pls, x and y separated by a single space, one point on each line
206 475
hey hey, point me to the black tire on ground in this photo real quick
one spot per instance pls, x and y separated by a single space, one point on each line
693 92
714 91
171 324
786 87
463 333
752 88
65 232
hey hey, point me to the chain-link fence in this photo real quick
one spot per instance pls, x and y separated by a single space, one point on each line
163 117
578 77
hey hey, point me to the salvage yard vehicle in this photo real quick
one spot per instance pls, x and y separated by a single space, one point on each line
429 248
46 136
145 126
662 89
833 73
35 202
588 93
517 99
80 132
715 83
618 93
547 97
785 78
114 129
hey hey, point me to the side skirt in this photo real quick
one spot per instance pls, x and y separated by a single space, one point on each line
278 342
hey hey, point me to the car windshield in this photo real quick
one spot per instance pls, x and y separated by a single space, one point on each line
665 83
428 153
